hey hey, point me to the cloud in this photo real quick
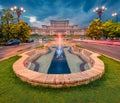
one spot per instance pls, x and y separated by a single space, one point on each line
32 19
45 21
79 12
1 7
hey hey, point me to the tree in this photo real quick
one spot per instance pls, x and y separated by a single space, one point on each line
7 16
13 31
24 31
95 29
107 26
111 29
6 31
117 30
6 20
1 35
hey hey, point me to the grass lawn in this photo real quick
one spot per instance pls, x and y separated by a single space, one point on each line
38 47
79 46
35 36
103 90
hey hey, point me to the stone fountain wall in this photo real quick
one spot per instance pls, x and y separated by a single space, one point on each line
20 68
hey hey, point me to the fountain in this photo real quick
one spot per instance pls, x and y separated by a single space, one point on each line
59 66
59 63
59 54
59 49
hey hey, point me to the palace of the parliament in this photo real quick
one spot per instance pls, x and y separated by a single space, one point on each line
56 26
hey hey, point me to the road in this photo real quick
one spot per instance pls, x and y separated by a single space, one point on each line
8 51
109 50
112 51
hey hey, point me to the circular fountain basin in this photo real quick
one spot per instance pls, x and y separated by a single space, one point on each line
73 78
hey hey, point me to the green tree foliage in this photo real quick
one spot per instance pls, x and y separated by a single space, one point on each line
11 30
107 26
95 29
7 16
24 31
6 31
108 29
118 30
20 31
111 29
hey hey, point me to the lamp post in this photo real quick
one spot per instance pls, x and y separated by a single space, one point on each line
115 15
0 17
100 11
19 11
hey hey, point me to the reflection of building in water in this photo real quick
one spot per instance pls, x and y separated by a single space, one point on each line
57 26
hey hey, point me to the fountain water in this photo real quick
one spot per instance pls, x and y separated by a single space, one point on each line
59 49
59 63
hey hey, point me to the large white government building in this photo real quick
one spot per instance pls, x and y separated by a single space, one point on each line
59 26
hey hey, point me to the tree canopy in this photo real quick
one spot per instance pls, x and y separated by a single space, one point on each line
95 29
10 29
108 29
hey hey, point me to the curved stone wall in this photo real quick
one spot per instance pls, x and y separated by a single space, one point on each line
21 66
84 53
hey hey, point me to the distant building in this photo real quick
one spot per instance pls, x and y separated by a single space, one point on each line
61 26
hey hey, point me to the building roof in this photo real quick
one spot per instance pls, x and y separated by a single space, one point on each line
59 21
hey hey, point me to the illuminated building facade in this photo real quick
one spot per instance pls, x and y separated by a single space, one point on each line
61 26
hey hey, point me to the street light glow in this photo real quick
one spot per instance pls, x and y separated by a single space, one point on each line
12 9
100 11
103 7
15 7
21 8
18 11
114 14
96 8
24 10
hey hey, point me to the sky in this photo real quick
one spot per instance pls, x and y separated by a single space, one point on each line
79 12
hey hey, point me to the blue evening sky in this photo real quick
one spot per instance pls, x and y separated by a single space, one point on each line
80 12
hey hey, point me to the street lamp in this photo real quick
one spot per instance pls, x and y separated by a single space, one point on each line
115 15
0 16
100 11
19 11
